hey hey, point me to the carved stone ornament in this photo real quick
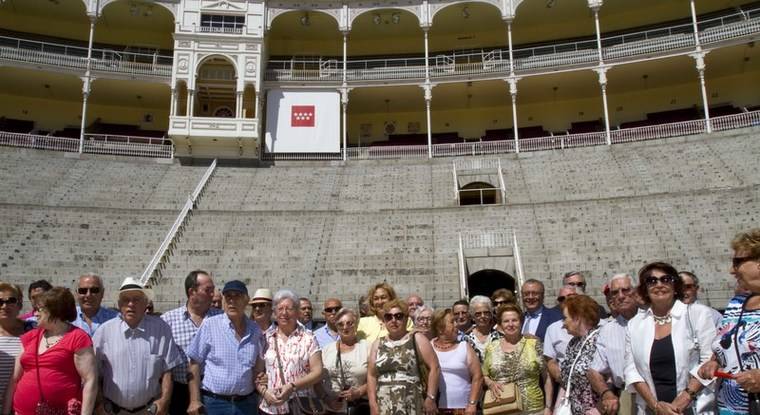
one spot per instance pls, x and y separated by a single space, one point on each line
182 65
223 5
250 67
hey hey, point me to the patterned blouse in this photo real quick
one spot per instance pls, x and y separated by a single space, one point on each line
524 366
294 354
480 348
732 399
582 398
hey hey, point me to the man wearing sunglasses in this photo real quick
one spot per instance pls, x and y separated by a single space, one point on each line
90 315
329 332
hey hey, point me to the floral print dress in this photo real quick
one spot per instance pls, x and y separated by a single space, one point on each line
399 390
583 400
524 366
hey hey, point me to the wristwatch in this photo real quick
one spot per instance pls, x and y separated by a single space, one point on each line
431 397
472 402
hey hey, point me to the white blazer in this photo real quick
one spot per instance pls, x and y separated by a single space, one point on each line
639 337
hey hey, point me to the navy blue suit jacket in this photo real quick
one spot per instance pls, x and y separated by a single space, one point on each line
548 316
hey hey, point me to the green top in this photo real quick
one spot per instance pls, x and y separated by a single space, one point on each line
524 366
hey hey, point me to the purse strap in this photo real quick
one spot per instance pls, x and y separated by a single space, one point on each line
577 356
736 332
37 363
339 365
313 407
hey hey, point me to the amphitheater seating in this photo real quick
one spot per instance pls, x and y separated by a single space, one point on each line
329 230
68 132
582 127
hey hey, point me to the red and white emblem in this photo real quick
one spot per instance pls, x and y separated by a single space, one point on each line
302 116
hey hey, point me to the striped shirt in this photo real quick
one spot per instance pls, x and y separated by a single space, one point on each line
184 329
228 363
10 348
609 358
132 361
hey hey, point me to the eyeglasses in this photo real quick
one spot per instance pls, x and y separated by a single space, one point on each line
260 305
331 310
85 290
345 324
425 319
737 261
624 291
9 301
577 284
394 316
483 314
651 281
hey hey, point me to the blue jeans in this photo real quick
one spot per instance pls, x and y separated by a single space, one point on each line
216 406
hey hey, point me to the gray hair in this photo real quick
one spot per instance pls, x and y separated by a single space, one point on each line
421 309
620 276
689 274
285 294
480 299
347 311
92 275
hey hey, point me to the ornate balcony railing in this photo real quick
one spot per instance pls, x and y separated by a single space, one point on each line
94 144
213 127
60 55
616 48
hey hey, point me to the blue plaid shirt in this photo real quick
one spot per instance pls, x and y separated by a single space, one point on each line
103 315
229 363
183 330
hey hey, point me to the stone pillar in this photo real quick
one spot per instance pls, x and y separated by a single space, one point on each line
602 72
699 60
513 92
190 102
428 88
344 120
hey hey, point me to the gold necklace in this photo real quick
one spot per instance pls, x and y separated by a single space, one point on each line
661 321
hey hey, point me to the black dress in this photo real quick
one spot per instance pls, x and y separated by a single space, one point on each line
662 364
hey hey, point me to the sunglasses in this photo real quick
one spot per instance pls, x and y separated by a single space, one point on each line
9 301
624 291
345 324
332 309
92 290
260 305
737 261
500 302
394 316
651 281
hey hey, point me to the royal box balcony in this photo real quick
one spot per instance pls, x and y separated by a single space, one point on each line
72 58
213 127
742 25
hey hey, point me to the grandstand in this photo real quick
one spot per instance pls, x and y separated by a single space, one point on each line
587 135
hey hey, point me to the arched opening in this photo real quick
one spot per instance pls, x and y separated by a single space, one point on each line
64 19
147 28
478 193
384 32
295 32
215 87
486 281
486 29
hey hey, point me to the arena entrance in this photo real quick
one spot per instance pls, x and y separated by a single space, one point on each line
486 281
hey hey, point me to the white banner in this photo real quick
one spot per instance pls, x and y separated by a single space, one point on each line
301 121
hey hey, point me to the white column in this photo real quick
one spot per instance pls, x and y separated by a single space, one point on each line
509 43
344 120
598 35
694 25
173 102
699 60
87 83
190 102
238 104
602 72
427 55
513 92
345 58
428 97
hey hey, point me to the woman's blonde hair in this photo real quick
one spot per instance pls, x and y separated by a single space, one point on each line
748 242
387 287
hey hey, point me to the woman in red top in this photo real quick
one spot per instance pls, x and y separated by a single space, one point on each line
57 366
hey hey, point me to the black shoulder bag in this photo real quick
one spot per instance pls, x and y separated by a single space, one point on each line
359 406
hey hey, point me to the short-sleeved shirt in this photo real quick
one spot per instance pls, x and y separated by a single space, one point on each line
609 358
732 399
325 336
132 361
184 329
555 341
60 378
294 355
228 363
103 315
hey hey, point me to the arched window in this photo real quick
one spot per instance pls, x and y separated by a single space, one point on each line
486 281
478 193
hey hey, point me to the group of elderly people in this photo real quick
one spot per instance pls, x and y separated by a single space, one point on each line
655 354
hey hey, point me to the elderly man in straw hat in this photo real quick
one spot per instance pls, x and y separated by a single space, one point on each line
136 353
261 308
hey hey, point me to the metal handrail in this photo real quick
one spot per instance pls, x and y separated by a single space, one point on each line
92 145
176 229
